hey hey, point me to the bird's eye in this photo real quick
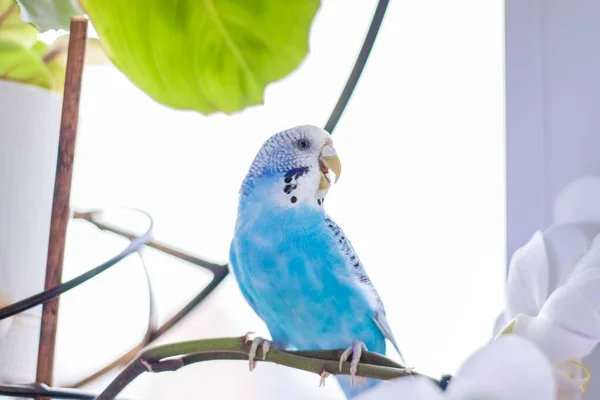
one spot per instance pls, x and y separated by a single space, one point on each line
303 144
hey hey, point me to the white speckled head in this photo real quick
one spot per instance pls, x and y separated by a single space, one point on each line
293 168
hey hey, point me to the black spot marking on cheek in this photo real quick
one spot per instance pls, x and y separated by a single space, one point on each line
295 173
294 199
319 201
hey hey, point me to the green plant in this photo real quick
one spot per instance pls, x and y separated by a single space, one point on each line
208 56
26 59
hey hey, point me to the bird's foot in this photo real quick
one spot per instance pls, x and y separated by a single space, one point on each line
147 365
409 371
256 343
356 350
324 376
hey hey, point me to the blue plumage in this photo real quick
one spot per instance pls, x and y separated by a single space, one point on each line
294 265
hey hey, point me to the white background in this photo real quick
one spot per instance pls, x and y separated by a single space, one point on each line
421 196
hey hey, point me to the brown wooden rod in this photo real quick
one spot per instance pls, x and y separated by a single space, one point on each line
62 192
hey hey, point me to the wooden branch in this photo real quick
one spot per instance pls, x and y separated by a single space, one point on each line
62 191
172 357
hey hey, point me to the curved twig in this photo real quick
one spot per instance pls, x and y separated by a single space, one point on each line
136 243
152 333
172 357
359 66
39 390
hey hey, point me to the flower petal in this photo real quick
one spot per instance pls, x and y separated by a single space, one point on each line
508 368
416 387
568 325
501 323
566 245
557 342
542 265
578 201
586 274
527 284
572 311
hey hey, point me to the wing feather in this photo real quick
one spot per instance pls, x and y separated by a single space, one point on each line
363 281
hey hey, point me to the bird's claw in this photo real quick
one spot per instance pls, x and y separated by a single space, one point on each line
324 376
147 365
256 342
356 350
247 336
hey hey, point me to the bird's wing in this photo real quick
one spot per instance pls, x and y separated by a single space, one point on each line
363 282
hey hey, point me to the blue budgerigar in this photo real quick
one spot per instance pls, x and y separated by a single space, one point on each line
294 264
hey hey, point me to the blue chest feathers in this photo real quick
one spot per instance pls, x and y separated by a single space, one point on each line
292 272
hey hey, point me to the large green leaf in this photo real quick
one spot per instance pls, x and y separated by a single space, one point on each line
23 64
205 55
50 14
12 27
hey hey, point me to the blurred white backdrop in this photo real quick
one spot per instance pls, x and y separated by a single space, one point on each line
422 196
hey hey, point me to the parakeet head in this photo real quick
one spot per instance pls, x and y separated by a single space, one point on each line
293 167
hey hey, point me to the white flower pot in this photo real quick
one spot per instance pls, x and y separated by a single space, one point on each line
29 131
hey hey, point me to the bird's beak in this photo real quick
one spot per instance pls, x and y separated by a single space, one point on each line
329 161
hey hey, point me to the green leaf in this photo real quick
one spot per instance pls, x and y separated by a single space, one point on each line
12 27
204 55
41 48
50 14
58 71
23 64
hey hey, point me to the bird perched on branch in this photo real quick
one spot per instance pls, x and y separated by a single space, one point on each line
294 264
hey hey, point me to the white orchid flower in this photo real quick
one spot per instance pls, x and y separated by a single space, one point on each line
508 368
553 289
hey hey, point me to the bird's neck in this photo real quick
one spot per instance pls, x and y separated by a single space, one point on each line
269 203
284 191
266 217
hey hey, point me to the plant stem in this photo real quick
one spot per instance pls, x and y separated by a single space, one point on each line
172 357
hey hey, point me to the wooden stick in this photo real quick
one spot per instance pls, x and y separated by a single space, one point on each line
62 192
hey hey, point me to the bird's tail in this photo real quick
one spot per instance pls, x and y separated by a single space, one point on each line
358 388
